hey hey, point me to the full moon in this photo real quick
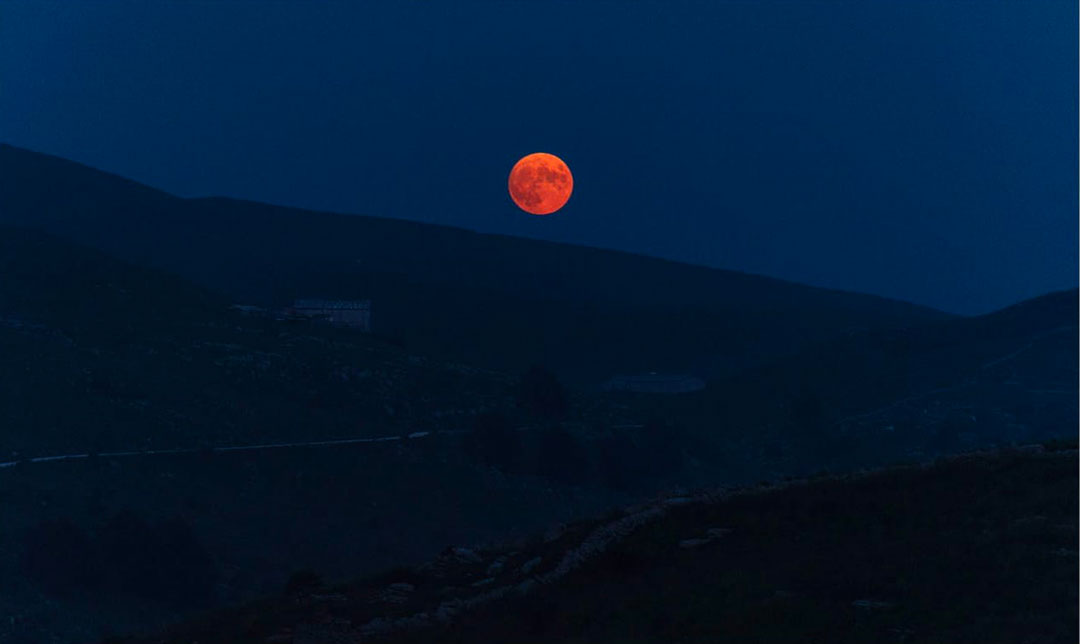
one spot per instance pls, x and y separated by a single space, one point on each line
540 183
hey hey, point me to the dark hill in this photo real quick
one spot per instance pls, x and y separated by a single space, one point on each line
1003 378
979 548
493 300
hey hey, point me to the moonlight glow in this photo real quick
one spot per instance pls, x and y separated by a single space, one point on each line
540 183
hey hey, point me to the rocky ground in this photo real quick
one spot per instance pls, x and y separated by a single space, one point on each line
980 547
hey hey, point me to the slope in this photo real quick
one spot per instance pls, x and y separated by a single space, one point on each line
980 547
498 301
1003 378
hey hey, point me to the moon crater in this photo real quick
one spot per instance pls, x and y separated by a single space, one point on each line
540 183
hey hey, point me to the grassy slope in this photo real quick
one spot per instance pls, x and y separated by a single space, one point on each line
980 548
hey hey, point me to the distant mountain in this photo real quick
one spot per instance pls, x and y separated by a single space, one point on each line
998 379
976 548
492 300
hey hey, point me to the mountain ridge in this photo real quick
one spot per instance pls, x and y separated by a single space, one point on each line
150 191
497 301
570 583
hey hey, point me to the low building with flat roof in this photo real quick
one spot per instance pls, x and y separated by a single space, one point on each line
354 314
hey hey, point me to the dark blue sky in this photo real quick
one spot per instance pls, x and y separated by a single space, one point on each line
921 150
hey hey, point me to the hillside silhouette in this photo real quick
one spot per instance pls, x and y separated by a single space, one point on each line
490 300
144 359
121 347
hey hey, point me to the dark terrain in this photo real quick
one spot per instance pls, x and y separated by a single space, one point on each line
976 548
117 336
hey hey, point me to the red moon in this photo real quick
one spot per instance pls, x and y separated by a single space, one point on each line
540 183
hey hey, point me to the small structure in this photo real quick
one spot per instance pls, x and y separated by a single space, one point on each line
654 383
249 309
355 314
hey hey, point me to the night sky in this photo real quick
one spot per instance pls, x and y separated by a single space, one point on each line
921 150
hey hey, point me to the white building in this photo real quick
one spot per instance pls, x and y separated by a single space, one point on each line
355 314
